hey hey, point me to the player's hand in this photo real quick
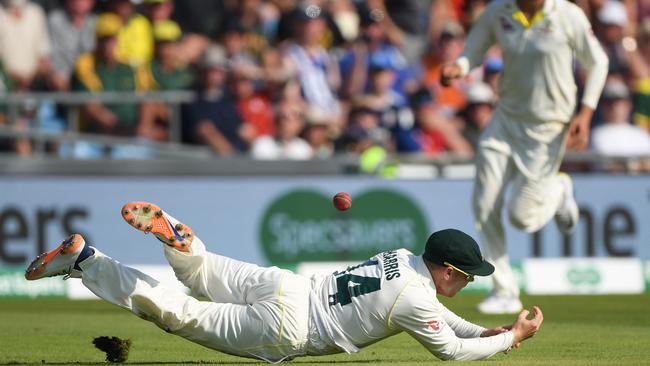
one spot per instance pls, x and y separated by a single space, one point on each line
448 73
524 328
496 331
579 130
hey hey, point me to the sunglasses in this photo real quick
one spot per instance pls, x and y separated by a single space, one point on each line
468 276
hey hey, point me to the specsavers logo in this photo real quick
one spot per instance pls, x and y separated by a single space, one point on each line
303 226
584 277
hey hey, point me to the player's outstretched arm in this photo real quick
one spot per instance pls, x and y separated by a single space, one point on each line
524 328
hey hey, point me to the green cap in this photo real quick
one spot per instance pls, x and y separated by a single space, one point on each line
458 249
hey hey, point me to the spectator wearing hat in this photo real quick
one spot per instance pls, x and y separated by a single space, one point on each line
477 112
24 42
616 136
135 39
101 71
317 133
373 48
286 143
613 19
72 33
165 72
213 119
315 69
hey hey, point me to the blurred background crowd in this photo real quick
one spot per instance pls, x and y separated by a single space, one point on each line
289 79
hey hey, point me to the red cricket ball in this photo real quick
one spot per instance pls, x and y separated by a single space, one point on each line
342 201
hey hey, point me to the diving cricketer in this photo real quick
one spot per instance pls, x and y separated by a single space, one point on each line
525 140
274 315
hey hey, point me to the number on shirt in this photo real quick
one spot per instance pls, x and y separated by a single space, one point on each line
349 285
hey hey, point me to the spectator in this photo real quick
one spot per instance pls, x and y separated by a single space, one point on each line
135 39
317 133
617 136
239 56
254 108
613 17
292 15
364 131
165 72
158 10
641 92
244 18
318 73
432 134
287 143
406 23
372 48
102 71
392 108
477 112
24 42
6 144
446 50
213 119
72 32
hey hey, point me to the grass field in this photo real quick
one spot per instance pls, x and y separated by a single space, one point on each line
578 330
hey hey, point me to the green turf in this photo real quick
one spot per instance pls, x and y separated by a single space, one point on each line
578 330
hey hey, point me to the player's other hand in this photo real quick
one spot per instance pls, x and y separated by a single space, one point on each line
524 328
448 73
579 130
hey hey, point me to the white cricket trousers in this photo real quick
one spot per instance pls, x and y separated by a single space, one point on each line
253 311
528 155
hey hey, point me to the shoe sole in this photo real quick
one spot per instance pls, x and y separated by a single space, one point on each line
39 265
149 218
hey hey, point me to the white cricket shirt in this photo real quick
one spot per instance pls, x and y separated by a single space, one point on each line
537 82
390 293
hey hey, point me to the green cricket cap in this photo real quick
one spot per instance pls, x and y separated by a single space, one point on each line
458 249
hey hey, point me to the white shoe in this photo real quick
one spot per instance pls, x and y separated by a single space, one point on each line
57 262
494 304
567 216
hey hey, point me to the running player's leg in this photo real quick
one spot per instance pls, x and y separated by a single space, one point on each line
493 173
534 202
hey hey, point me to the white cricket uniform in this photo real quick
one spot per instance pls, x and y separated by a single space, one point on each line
525 140
274 314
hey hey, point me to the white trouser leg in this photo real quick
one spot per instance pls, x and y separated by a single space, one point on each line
220 278
534 202
494 170
269 329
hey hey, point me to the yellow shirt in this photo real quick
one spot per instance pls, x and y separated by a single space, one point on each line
135 41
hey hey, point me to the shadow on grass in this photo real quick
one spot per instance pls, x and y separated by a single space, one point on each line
187 362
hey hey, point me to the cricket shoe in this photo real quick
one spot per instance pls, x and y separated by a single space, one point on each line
63 260
495 304
567 216
150 218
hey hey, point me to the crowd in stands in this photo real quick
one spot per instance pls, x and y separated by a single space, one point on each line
290 79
